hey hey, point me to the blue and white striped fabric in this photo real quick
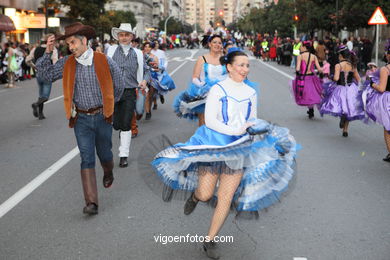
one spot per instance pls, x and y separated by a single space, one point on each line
267 161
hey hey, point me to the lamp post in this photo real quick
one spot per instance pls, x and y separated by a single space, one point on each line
46 16
337 15
165 24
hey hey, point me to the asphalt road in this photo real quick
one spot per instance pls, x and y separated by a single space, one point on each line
338 209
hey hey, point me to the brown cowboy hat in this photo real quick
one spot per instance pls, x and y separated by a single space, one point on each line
77 29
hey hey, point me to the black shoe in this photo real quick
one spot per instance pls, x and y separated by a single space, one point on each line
134 135
154 106
210 249
343 119
387 158
148 116
310 112
345 134
91 209
40 111
162 99
190 204
41 116
35 109
123 162
108 179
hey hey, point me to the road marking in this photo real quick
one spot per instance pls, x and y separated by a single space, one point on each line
35 183
281 72
54 99
181 65
21 194
299 258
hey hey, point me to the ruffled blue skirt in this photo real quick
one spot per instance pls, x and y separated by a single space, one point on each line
267 163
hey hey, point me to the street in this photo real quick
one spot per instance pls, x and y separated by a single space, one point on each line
339 207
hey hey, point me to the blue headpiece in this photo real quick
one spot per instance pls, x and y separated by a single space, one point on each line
233 49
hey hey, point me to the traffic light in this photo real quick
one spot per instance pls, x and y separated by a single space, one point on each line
296 18
220 13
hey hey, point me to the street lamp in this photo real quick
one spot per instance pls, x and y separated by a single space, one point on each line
46 16
165 24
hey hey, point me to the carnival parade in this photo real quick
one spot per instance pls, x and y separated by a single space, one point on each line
253 133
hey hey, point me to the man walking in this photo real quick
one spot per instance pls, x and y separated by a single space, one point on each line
135 74
92 83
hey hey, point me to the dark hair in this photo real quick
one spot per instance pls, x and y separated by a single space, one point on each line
348 55
212 37
309 46
146 43
227 43
136 40
230 57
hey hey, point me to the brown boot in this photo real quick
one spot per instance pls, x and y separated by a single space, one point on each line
108 176
88 179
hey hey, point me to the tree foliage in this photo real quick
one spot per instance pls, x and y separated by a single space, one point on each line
312 15
92 12
175 26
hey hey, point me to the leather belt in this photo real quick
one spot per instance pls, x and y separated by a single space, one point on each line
91 111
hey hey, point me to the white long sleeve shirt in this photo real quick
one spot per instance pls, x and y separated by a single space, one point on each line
239 95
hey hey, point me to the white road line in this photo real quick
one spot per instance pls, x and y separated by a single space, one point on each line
54 99
35 183
181 65
299 258
281 72
21 194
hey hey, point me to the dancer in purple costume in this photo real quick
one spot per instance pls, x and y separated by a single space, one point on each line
342 96
377 95
306 86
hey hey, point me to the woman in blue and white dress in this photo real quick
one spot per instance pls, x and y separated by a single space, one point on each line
252 170
207 71
165 82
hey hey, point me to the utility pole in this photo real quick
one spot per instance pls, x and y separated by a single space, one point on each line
46 16
337 17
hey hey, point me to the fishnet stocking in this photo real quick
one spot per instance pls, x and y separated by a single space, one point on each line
228 184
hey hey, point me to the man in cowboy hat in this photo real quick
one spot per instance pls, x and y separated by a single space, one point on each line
92 83
136 74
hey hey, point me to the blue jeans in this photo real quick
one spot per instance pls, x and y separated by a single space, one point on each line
92 131
44 88
140 103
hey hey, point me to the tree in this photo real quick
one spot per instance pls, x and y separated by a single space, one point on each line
117 17
92 12
174 26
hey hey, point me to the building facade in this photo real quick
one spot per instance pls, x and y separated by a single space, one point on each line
142 9
29 23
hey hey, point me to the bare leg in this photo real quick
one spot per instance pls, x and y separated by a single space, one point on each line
387 139
148 101
345 128
201 119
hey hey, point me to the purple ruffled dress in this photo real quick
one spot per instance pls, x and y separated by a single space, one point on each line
377 104
307 89
343 98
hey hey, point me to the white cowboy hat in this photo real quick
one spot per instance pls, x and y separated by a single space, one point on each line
124 27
